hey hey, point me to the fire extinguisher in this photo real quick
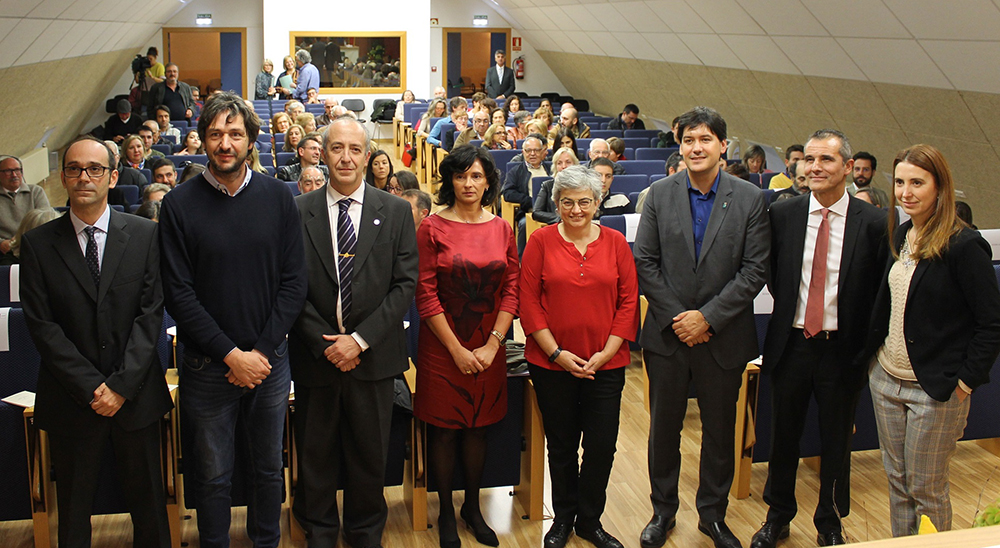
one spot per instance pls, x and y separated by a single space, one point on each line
519 68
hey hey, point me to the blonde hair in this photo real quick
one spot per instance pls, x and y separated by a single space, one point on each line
488 137
562 151
287 146
32 219
253 160
935 235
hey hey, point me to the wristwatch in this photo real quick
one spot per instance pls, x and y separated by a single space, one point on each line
552 358
499 336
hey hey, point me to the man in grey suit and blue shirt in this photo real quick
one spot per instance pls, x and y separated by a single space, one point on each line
701 254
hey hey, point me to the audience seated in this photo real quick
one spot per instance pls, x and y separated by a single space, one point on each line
134 151
674 164
149 132
520 130
611 203
280 123
420 204
407 97
864 168
459 109
123 123
149 210
800 184
164 171
294 134
599 149
307 120
755 160
628 119
191 144
496 138
310 178
126 175
569 120
437 109
155 192
617 146
32 219
190 171
544 210
738 170
16 200
379 170
308 151
294 108
784 180
517 185
328 115
164 128
480 125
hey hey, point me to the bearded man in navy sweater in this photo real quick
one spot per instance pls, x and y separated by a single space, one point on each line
234 279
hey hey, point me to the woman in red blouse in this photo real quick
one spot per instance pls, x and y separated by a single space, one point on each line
579 304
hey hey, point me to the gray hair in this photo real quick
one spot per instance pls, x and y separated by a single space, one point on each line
326 132
149 189
577 178
845 145
303 56
302 173
598 141
520 116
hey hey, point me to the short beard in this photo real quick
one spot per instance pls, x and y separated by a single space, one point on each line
240 161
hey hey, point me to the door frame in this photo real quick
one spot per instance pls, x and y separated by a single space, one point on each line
219 30
444 45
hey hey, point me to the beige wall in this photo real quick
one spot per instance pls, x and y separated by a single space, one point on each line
780 110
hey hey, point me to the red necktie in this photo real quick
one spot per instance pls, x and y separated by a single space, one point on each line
817 283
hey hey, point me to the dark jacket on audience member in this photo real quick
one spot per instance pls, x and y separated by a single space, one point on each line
292 172
618 124
516 187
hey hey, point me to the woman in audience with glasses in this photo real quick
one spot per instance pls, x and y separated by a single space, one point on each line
408 97
935 336
379 170
495 138
402 180
191 144
545 210
467 298
576 349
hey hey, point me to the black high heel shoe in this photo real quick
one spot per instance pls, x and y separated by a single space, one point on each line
484 535
448 531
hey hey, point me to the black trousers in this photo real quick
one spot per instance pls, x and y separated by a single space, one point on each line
571 408
717 389
77 462
344 425
809 368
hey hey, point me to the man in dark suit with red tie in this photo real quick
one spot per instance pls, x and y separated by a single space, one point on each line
90 286
828 250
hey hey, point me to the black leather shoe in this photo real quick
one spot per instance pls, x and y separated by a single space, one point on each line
654 534
720 533
830 539
769 534
484 535
558 535
600 538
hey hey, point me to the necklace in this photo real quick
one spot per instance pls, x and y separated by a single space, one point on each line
457 216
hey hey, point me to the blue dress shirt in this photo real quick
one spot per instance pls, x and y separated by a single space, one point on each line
701 210
308 78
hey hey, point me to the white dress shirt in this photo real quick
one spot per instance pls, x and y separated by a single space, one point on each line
222 188
100 235
837 218
354 213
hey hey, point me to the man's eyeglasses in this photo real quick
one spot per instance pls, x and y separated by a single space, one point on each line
532 150
95 172
9 172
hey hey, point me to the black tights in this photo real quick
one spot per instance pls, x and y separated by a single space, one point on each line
442 452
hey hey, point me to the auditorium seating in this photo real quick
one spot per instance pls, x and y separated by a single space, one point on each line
282 158
660 154
647 167
19 367
9 289
131 193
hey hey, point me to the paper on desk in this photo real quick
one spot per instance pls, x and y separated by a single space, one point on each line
15 283
21 399
5 329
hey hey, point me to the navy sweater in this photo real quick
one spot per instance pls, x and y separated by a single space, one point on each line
233 267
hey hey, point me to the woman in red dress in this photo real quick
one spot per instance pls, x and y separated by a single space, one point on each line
467 298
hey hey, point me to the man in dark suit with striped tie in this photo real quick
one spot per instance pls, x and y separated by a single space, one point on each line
348 343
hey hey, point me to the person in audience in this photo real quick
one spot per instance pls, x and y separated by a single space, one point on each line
488 104
612 203
198 104
234 297
440 93
668 139
942 283
497 117
308 75
823 278
545 115
407 180
784 180
164 127
499 78
477 102
149 210
755 160
31 220
309 153
155 192
569 122
566 139
599 149
538 126
173 93
459 108
480 124
520 130
517 185
190 171
511 107
126 176
420 204
154 128
16 200
379 170
148 133
347 346
328 116
135 151
264 84
544 210
253 161
294 109
293 136
191 144
700 326
496 138
964 212
437 109
123 123
307 120
628 119
408 97
576 350
280 123
467 298
288 63
163 171
738 170
310 179
864 168
100 380
874 196
312 96
800 185
617 152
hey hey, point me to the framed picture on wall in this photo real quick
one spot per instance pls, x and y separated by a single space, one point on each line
364 62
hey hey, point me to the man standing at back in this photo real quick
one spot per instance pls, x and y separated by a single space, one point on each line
94 305
499 78
234 279
701 255
348 344
828 254
173 93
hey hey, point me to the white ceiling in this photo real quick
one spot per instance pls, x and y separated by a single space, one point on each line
33 31
949 44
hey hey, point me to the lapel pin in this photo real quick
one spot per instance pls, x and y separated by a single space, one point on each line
725 205
377 222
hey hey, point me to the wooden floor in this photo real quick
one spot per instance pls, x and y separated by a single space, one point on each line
974 475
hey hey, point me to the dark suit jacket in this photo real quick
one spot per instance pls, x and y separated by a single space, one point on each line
159 89
88 335
384 282
496 87
952 317
721 283
515 187
861 265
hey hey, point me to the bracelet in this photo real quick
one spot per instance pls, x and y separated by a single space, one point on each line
499 337
552 358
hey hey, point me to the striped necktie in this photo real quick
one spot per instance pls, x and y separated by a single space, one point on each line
346 244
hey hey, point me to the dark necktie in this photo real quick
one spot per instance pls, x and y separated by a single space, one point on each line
93 261
346 244
816 301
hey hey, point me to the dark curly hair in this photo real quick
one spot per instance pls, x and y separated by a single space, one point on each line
459 160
